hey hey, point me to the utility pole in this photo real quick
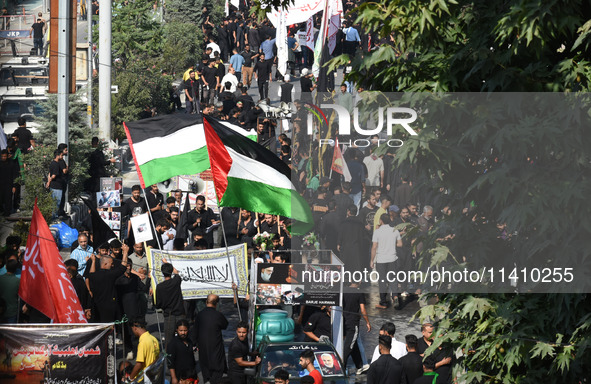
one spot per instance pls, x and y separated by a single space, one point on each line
90 60
104 69
64 72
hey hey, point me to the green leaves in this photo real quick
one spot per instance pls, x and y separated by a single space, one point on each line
542 350
474 305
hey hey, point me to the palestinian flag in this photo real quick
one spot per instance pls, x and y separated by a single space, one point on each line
167 146
251 134
248 176
171 145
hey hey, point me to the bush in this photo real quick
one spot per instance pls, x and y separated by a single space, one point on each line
36 164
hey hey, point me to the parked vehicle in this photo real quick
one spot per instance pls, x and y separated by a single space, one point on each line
276 356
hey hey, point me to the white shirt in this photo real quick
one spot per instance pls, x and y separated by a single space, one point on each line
167 243
232 79
374 167
397 351
214 47
386 237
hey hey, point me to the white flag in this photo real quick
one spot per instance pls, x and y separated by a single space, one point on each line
333 27
297 12
281 42
310 33
331 20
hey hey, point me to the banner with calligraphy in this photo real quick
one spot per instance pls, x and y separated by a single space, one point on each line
57 353
204 272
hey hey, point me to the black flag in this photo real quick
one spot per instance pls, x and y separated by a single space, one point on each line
101 232
183 230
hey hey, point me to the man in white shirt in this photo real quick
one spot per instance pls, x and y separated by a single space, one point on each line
375 171
214 47
231 78
385 239
398 349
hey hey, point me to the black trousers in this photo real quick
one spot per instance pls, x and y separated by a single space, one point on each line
263 89
351 348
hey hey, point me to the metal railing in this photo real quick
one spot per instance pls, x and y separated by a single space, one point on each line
14 35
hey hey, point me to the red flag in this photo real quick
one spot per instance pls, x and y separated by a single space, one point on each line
45 283
338 163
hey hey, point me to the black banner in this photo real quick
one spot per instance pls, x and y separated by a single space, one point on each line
295 284
57 353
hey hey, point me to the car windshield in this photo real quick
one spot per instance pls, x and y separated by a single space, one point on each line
287 357
11 110
24 76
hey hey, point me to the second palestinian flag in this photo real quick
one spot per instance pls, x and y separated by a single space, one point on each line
248 176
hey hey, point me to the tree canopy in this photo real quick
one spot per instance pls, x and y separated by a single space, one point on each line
518 162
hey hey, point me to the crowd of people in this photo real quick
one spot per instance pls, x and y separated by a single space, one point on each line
359 220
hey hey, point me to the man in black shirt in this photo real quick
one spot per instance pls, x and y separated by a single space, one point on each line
253 37
318 325
307 85
427 339
238 353
192 93
248 65
169 298
231 216
65 170
25 137
181 360
134 206
79 286
386 369
102 285
429 374
97 164
412 361
209 80
353 305
209 324
263 76
127 295
37 33
246 227
202 217
155 199
8 174
269 224
55 182
223 39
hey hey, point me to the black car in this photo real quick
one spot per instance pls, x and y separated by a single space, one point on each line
276 356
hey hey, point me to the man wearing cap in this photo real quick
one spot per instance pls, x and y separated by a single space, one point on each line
307 85
386 369
393 211
286 91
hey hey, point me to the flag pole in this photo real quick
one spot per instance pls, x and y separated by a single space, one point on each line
234 292
158 241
